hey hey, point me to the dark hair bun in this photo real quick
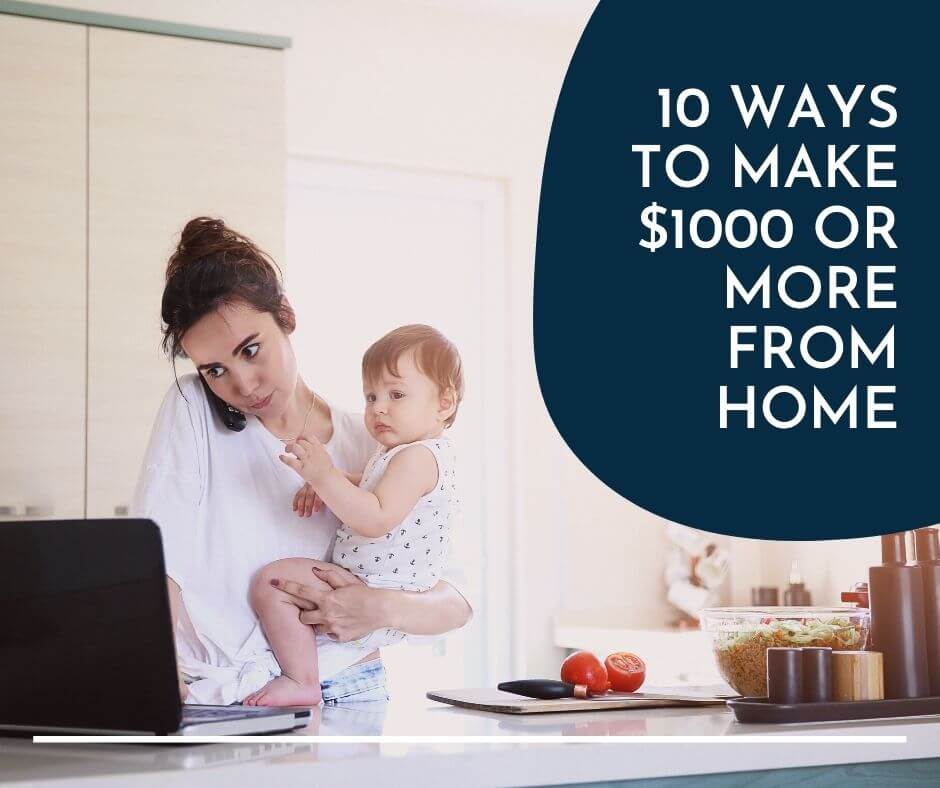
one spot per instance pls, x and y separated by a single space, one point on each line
202 228
213 266
205 237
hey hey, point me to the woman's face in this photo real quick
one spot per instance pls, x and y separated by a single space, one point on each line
246 358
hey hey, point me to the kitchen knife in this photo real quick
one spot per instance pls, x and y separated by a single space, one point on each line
548 689
544 689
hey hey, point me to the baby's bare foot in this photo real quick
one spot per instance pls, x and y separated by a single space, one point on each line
284 691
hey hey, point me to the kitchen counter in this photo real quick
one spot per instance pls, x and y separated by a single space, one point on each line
681 656
580 750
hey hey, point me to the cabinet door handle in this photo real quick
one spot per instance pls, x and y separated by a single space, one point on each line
39 511
120 511
7 511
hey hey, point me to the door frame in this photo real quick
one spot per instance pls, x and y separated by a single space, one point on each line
492 655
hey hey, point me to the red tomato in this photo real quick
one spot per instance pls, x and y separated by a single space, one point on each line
627 671
583 667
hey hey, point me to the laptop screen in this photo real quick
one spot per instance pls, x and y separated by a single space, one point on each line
85 633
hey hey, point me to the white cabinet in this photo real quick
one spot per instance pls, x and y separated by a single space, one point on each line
42 268
177 128
110 141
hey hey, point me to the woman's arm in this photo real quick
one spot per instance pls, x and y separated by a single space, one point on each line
176 609
431 612
176 602
353 609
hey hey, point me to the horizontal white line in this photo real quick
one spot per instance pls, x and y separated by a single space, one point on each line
506 740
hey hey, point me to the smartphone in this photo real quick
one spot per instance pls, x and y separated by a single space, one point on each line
231 417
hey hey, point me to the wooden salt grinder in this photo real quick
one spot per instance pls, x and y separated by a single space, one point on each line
857 675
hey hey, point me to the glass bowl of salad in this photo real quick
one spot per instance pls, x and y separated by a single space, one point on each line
741 636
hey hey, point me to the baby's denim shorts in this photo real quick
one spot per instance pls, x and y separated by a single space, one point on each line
364 681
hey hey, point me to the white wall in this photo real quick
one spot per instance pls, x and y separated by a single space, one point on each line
466 87
828 568
469 86
615 552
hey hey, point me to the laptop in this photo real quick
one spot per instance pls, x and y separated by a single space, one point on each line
86 642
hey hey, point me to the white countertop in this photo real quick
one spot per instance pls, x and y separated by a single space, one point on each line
582 751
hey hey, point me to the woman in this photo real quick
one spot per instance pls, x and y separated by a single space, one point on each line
221 496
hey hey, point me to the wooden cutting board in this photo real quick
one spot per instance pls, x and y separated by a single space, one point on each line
490 699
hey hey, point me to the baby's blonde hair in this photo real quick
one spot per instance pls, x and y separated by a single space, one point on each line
435 355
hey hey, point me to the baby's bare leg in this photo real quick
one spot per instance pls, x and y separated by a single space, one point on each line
293 643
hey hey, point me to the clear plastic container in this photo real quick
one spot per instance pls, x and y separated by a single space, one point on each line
741 636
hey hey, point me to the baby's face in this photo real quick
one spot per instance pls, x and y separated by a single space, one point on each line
403 409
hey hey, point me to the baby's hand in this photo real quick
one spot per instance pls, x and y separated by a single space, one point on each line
306 501
309 459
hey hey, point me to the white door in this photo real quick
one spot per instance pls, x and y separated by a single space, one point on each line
370 248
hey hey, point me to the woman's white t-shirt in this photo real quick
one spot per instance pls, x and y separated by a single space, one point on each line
222 500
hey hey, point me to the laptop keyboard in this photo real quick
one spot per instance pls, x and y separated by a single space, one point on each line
193 714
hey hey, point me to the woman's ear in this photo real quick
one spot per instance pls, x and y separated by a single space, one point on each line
447 406
288 320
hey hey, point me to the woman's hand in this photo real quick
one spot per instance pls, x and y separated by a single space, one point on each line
184 690
309 459
349 610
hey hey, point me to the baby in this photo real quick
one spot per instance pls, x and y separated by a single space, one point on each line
396 514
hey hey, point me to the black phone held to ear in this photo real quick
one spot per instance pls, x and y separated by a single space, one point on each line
231 417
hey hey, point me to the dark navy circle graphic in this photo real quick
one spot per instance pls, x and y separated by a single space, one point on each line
736 277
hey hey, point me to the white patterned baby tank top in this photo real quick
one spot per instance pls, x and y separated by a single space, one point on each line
413 554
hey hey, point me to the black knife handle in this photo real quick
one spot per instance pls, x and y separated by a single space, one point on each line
543 689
